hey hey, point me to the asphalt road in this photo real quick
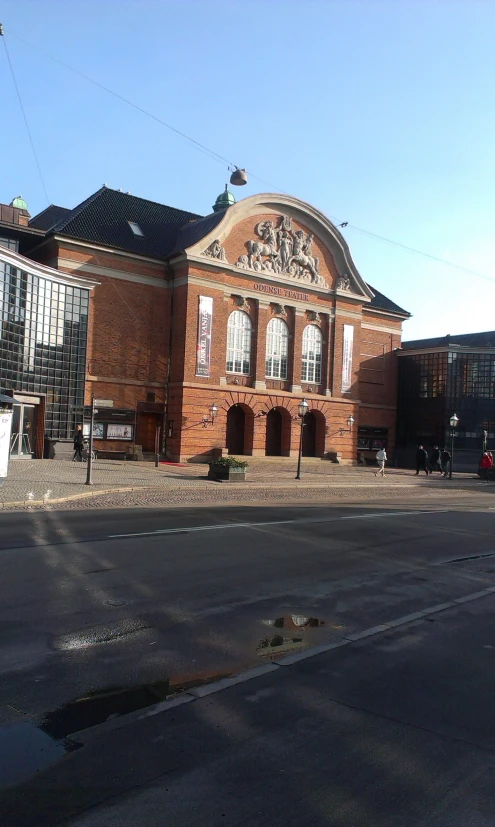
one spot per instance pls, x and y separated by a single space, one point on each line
124 598
394 730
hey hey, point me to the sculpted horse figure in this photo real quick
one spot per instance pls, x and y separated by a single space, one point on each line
266 247
301 254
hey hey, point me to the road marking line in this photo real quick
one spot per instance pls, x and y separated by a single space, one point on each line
220 526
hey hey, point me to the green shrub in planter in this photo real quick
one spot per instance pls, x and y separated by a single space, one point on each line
228 468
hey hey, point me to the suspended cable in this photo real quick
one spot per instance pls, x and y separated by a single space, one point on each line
215 156
2 34
420 252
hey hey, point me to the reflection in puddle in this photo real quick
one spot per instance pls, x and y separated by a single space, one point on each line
24 751
294 622
283 643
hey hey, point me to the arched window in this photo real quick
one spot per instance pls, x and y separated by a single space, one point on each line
277 349
239 343
311 354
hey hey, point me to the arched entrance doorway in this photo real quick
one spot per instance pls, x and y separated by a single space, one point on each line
309 435
236 429
273 445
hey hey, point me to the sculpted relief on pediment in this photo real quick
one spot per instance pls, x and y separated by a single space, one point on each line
281 249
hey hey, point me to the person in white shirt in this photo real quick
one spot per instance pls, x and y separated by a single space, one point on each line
381 458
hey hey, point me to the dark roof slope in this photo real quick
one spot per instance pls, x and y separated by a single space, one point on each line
190 233
104 218
380 302
50 216
463 340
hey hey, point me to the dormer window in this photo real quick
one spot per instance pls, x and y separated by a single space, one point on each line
136 229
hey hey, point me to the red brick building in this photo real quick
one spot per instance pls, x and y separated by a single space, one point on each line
245 311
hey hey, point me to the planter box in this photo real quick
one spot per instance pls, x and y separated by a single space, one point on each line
225 474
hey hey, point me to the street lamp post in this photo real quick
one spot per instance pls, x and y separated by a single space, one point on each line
303 409
454 419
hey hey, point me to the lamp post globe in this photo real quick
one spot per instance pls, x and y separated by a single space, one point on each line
454 419
213 412
303 409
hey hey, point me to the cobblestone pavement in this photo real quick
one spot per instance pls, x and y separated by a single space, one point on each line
61 484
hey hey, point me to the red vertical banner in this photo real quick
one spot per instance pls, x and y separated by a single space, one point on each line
203 348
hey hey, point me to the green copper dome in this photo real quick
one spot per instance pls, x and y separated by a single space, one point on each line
19 203
224 200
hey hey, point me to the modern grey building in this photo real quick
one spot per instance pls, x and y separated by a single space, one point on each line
442 376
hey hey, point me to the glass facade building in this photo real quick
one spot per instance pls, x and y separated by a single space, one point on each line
434 385
43 339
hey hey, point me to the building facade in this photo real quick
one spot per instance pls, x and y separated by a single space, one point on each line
206 333
442 376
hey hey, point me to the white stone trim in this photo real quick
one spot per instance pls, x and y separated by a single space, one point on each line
262 393
109 272
69 243
341 312
253 294
44 272
114 381
393 330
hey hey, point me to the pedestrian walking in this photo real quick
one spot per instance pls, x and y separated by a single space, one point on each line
381 458
486 465
421 460
78 444
435 463
446 460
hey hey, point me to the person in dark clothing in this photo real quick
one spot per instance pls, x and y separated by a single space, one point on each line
435 464
78 444
421 460
446 460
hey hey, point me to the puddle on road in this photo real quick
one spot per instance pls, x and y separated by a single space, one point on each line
99 707
288 642
25 750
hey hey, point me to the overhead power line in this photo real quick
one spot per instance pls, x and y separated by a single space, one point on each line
215 156
420 252
2 34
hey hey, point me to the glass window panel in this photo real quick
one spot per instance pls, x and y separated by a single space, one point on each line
239 330
277 349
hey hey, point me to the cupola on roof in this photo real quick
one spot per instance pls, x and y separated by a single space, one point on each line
224 200
19 203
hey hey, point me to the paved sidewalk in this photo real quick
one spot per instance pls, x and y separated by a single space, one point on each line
32 483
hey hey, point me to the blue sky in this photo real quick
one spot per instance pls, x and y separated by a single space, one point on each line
378 113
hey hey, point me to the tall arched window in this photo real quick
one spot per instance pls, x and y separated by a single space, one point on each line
311 354
239 343
277 349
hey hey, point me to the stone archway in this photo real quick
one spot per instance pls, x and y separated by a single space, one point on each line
239 433
309 435
273 445
314 434
278 429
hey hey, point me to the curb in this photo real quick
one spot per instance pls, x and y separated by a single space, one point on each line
84 736
203 487
84 496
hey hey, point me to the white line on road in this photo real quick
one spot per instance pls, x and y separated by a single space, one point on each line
220 526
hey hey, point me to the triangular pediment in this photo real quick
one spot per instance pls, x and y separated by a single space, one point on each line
282 239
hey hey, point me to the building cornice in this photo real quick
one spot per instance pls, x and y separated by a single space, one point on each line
109 272
42 271
444 349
